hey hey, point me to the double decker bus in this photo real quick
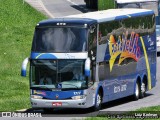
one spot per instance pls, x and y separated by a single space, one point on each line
114 51
143 4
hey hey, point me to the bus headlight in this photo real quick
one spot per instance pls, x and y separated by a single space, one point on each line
36 97
79 97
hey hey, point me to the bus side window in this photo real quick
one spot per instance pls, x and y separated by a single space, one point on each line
92 42
92 79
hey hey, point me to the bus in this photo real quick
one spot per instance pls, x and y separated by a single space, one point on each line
144 4
114 50
110 4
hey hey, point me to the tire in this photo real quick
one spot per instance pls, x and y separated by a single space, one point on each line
136 95
92 4
95 5
87 3
143 90
98 102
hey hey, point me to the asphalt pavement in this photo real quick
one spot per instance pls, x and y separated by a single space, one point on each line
59 8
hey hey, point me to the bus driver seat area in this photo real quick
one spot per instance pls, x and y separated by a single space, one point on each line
45 79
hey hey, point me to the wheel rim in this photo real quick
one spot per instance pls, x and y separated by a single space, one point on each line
143 88
98 100
137 91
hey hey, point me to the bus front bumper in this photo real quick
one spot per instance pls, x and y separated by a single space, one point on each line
44 103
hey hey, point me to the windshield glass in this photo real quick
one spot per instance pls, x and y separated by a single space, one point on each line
62 74
64 39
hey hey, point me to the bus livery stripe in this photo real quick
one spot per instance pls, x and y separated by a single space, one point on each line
39 55
147 64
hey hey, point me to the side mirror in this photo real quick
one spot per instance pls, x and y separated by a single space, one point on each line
87 67
24 67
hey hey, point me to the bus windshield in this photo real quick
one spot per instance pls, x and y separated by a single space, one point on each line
62 74
60 39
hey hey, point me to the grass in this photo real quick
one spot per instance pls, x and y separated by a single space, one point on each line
106 4
146 110
153 108
17 24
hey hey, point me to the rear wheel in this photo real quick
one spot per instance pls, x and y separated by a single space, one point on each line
143 90
137 91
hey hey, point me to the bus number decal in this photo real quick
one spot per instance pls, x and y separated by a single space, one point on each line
120 88
77 93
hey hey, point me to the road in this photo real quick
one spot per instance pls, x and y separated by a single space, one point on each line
59 8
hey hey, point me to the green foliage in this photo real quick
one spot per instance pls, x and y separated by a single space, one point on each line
106 4
130 115
17 24
153 108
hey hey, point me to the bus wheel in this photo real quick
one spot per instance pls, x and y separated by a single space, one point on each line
137 91
98 101
143 90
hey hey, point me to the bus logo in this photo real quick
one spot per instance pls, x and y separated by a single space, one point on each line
59 86
124 47
57 96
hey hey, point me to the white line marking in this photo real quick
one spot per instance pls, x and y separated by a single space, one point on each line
77 5
72 2
41 3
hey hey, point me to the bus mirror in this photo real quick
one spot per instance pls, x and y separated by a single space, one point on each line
92 29
24 67
87 67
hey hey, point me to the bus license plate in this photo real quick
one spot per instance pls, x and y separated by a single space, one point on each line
57 103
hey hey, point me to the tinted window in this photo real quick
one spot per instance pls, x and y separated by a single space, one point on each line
59 40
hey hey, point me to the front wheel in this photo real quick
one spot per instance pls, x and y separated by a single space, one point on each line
98 102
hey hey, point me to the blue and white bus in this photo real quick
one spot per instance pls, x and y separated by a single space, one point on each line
144 4
114 50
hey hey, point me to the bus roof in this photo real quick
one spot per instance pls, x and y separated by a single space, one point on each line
68 21
134 1
113 14
95 17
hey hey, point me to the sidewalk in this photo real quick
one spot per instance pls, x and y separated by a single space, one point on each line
38 5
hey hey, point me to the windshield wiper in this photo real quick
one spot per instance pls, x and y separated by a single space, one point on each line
71 85
74 88
71 89
41 88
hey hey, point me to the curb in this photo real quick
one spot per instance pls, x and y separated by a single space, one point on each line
44 8
22 110
38 5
